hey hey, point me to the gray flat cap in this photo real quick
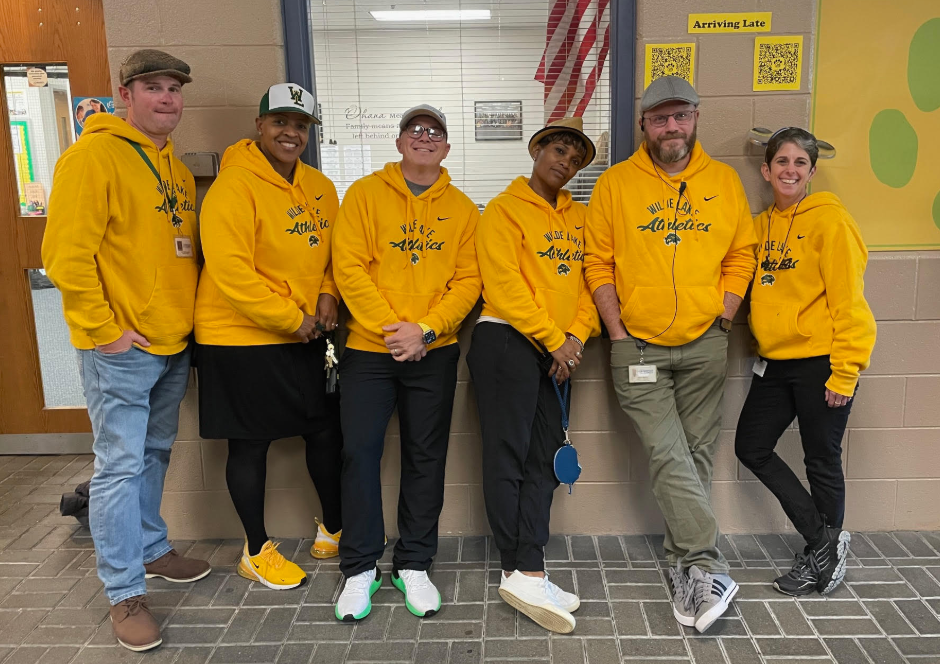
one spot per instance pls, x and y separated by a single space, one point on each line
667 88
151 62
422 109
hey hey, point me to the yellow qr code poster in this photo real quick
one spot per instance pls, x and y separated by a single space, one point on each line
778 62
670 60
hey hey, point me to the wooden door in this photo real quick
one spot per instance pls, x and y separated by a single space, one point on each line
51 39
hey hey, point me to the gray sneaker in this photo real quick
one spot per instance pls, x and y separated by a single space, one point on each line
682 607
711 596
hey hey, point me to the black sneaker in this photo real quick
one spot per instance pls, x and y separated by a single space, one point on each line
831 555
802 578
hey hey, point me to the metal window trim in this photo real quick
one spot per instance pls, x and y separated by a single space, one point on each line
298 60
622 78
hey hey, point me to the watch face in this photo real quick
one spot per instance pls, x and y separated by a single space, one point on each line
725 324
429 337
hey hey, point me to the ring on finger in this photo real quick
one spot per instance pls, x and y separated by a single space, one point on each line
570 363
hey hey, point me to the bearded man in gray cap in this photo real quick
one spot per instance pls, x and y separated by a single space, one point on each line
669 254
120 244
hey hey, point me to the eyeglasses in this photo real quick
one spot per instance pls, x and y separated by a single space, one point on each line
682 117
435 134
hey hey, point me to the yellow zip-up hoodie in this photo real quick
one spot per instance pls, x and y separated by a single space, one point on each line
405 258
808 296
641 235
110 244
267 245
531 259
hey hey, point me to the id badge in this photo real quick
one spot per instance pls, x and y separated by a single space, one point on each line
760 366
642 373
184 246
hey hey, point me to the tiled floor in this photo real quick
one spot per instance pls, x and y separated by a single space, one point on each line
52 610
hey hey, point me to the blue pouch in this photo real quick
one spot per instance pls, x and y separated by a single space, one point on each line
567 468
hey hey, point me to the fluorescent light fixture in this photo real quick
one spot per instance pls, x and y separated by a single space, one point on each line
433 15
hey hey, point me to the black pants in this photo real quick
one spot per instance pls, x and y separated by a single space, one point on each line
796 388
520 418
246 471
372 384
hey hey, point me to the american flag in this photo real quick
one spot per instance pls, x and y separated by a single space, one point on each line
576 46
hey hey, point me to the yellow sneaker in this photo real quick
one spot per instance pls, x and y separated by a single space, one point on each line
271 568
326 545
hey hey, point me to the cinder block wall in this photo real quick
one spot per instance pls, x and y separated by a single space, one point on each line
892 450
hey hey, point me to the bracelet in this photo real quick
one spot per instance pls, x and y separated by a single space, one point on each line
574 338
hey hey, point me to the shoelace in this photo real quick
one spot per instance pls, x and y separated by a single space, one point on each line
804 563
702 588
272 556
360 582
135 605
681 588
415 580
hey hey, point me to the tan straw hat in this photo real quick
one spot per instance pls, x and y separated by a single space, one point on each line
575 126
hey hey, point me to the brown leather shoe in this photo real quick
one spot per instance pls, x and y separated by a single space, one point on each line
180 569
134 626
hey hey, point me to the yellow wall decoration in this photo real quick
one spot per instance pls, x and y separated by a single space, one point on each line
670 60
778 62
876 98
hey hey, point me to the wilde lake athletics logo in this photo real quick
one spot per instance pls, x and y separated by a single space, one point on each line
296 96
672 238
563 269
767 280
414 258
314 241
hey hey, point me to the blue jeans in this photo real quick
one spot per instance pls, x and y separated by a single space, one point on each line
133 402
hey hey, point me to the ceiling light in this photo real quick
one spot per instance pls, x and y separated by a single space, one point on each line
433 15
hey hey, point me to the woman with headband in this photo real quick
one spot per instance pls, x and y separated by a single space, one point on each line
815 334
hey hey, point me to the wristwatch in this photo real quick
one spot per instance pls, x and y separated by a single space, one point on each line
725 325
429 335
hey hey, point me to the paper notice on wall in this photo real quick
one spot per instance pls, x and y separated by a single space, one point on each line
778 62
16 103
724 23
670 60
35 199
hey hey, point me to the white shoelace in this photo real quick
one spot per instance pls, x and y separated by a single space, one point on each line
360 582
415 579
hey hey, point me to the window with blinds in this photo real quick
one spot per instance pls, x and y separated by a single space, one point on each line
499 70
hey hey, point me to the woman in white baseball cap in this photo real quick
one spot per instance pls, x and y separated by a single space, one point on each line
264 305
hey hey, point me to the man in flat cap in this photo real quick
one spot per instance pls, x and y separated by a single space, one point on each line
120 244
669 254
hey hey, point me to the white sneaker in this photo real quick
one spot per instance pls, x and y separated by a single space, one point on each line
531 596
421 597
568 601
355 602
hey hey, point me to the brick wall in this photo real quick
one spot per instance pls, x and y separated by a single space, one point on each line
892 453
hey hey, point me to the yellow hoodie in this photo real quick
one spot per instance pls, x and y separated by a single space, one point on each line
641 234
531 258
402 258
808 296
110 245
267 245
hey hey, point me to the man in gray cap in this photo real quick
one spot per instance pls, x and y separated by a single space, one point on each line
669 254
405 263
121 245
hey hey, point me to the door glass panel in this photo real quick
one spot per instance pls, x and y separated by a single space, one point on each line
58 359
39 104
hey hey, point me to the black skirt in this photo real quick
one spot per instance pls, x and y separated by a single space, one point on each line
264 392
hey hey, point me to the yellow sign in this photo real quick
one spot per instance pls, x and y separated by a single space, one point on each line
737 22
778 62
670 60
876 99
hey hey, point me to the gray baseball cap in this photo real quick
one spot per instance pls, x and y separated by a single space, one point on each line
667 88
422 109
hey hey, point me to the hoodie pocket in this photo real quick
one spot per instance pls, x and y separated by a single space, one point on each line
411 306
656 306
775 325
168 316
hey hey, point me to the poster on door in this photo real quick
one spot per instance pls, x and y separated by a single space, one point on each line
84 107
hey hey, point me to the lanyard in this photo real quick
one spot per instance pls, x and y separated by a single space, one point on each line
169 200
563 402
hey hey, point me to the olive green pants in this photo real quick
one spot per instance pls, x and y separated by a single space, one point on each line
678 419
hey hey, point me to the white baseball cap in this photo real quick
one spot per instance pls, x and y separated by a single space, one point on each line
288 98
422 109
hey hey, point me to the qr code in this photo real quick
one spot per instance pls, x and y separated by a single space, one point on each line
671 61
778 64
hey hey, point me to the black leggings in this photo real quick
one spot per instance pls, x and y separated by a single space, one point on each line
246 470
788 389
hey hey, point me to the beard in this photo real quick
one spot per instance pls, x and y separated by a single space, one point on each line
672 154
